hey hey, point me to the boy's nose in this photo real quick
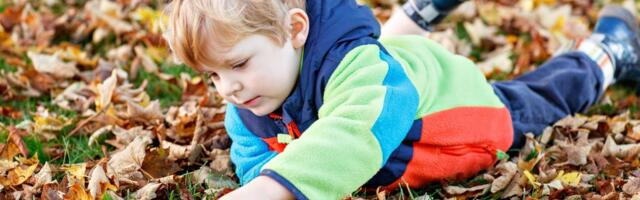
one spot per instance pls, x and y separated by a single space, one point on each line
230 87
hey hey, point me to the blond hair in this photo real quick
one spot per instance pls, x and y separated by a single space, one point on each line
195 25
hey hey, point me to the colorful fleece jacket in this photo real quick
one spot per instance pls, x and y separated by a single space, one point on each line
356 110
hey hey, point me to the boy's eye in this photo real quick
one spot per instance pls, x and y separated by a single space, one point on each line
239 65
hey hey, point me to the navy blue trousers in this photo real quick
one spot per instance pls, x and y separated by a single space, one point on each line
564 85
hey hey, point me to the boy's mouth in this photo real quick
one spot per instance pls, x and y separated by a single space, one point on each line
251 102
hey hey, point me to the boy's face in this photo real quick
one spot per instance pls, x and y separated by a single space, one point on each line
256 73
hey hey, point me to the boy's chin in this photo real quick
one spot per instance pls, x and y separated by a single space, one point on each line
261 111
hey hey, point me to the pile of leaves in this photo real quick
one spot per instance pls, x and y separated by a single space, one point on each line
93 106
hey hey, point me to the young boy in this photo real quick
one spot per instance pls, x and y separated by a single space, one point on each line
318 107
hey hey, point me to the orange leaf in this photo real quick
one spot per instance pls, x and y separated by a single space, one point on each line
77 192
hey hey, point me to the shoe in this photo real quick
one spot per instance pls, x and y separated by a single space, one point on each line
617 31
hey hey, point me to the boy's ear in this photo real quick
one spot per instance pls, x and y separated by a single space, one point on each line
298 27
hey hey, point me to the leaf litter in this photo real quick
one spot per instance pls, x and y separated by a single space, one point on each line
95 69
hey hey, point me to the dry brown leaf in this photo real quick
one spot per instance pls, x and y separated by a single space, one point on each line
51 191
157 165
76 96
98 182
110 13
150 113
45 176
632 187
6 165
573 122
507 171
52 64
515 188
577 153
126 163
220 160
176 151
147 192
456 190
106 90
610 148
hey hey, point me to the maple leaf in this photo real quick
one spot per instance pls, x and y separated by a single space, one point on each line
156 164
126 163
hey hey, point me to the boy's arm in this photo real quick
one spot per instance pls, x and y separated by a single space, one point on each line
248 152
369 106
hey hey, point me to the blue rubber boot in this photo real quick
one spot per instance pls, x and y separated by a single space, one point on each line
617 30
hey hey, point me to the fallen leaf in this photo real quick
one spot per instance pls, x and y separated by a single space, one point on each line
571 178
18 175
77 192
157 165
610 148
456 190
52 64
75 172
507 170
126 163
147 192
106 90
98 182
6 165
632 187
45 176
147 114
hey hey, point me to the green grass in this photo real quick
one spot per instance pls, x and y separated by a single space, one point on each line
6 68
28 107
77 149
167 93
176 70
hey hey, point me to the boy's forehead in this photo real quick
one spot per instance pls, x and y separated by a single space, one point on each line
221 55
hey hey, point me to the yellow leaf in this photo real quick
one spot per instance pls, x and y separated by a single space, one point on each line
157 54
75 172
29 161
18 175
532 179
559 25
571 178
152 18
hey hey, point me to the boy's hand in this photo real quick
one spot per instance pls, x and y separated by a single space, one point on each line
262 187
